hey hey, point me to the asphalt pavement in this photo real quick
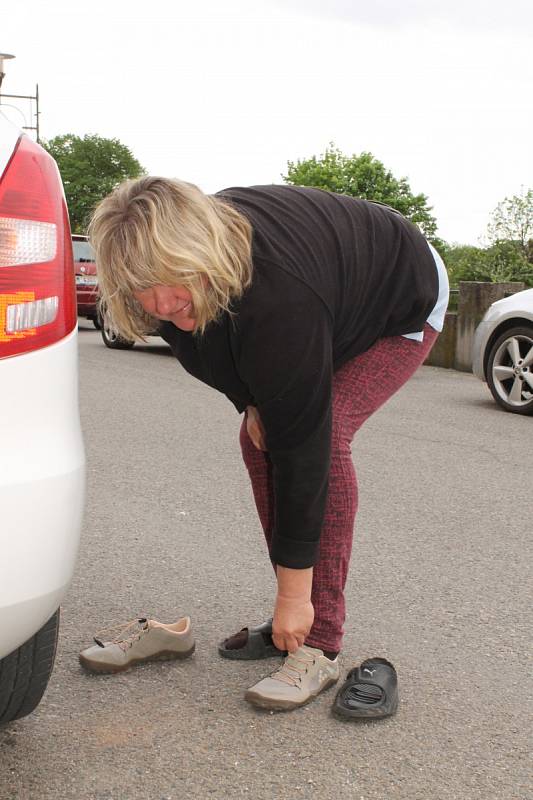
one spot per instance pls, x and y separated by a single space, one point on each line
438 584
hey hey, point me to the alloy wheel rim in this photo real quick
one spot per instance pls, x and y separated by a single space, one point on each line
111 335
512 370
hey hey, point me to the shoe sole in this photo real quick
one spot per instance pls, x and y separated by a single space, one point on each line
110 669
284 705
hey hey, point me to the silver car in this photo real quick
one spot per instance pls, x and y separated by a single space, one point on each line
502 353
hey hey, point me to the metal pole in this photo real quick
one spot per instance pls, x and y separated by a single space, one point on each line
37 111
20 96
26 97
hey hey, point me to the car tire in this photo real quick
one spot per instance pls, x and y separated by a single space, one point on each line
508 378
114 341
24 673
97 322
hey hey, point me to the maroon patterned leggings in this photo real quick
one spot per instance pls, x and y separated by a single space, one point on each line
360 387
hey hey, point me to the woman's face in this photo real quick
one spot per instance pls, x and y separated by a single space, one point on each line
170 303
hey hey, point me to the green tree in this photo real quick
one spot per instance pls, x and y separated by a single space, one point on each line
90 167
502 261
508 261
512 221
363 176
466 263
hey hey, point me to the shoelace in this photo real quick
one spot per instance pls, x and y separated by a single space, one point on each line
124 634
294 666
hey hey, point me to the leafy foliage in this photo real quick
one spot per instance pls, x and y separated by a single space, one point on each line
509 257
465 263
512 220
366 177
90 167
503 261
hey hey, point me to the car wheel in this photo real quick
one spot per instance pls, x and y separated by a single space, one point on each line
114 341
97 322
510 370
24 674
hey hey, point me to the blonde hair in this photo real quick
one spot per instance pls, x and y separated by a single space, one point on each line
152 231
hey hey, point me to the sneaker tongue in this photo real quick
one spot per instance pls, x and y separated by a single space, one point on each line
116 635
295 664
142 625
312 650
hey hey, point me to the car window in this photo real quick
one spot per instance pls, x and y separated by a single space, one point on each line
82 251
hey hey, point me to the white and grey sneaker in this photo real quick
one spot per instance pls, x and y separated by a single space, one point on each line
122 646
302 676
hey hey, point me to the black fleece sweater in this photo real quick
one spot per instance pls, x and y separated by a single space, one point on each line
331 275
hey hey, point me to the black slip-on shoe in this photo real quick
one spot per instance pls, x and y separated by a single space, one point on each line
370 691
258 644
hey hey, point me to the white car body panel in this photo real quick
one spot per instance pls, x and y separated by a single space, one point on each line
517 307
42 478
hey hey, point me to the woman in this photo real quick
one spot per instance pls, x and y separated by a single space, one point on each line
308 310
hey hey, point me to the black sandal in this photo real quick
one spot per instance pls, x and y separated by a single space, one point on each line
370 691
259 644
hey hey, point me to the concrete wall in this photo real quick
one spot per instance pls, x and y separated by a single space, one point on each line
453 348
443 352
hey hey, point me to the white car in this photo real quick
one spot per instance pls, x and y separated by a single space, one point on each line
502 353
42 460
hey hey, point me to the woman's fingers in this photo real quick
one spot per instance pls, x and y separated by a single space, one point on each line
258 440
254 426
289 643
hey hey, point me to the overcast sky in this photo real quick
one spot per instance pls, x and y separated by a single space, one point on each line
225 93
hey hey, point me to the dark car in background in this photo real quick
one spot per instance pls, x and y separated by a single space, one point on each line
86 280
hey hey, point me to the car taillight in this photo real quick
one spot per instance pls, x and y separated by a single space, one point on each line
37 290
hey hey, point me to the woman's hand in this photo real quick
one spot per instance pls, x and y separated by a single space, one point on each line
255 429
293 619
293 612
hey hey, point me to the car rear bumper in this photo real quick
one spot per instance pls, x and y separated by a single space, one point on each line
86 309
86 299
42 480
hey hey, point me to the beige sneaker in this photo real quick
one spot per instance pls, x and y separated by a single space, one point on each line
301 677
121 647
